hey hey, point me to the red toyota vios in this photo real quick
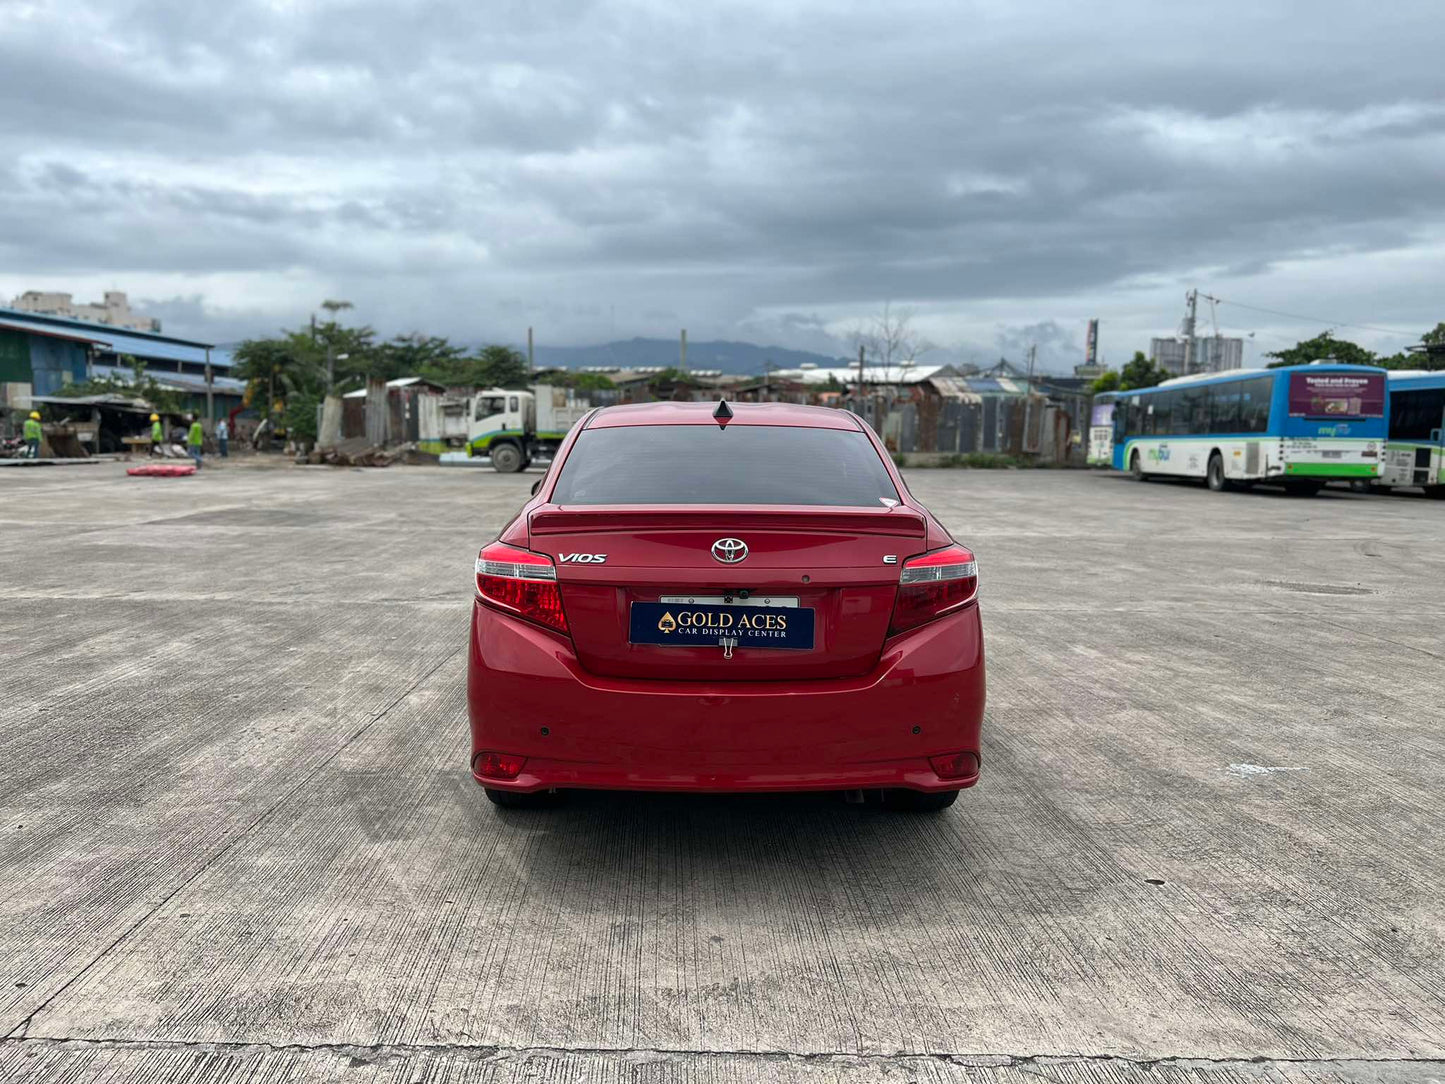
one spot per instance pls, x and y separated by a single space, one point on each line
725 597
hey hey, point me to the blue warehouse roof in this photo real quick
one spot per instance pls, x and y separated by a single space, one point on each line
139 343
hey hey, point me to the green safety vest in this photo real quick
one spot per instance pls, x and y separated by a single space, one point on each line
195 436
156 434
32 429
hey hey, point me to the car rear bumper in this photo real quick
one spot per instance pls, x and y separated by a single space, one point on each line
629 734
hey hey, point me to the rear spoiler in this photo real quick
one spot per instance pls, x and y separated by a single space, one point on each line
899 520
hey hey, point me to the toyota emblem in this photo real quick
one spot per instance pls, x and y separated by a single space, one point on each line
729 550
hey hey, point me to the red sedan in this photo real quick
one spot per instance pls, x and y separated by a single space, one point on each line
714 597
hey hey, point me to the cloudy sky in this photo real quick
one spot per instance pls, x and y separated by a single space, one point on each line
769 171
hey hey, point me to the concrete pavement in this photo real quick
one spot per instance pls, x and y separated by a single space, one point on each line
238 838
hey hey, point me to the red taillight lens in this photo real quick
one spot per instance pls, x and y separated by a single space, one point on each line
954 765
521 583
933 585
499 765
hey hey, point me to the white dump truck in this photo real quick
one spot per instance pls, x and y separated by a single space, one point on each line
515 427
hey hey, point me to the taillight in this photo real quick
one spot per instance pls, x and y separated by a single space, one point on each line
498 765
932 585
521 583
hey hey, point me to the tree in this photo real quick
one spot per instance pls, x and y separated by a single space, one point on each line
431 356
890 343
277 369
590 381
1108 381
1323 347
299 417
500 367
1141 372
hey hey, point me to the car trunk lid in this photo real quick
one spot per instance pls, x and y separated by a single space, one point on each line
626 573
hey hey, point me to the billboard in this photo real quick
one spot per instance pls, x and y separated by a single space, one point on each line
1337 395
1091 345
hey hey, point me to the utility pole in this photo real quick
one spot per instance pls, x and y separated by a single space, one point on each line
531 362
682 353
210 387
1033 354
1193 298
332 307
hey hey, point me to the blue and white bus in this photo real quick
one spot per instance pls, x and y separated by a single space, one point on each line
1299 427
1101 429
1415 451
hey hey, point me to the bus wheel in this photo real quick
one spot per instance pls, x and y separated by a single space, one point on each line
1136 468
1214 475
506 458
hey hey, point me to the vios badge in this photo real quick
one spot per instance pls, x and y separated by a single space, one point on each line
729 550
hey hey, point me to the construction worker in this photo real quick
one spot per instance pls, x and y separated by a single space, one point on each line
193 440
32 435
158 435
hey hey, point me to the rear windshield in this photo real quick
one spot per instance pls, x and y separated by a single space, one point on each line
739 464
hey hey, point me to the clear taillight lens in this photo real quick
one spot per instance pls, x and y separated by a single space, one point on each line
932 585
521 583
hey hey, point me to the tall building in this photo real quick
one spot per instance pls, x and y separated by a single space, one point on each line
114 311
1211 354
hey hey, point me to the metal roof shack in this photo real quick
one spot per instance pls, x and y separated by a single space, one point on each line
417 383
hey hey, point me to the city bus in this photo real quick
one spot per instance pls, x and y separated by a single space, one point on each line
1101 429
1298 427
1415 452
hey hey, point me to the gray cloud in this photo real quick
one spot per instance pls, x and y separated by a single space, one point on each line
748 170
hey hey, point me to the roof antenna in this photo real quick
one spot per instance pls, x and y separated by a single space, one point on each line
723 413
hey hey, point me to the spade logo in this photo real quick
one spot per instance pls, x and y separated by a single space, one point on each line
666 623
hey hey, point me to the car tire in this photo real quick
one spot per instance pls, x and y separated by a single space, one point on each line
506 458
1136 468
1214 474
511 799
917 801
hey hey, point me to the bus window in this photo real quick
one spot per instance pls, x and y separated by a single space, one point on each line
1224 408
1193 411
1254 401
1164 412
1416 414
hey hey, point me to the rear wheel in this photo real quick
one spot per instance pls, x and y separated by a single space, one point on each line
510 799
506 458
916 801
1136 468
1214 476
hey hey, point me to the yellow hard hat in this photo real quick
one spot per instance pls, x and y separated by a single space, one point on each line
155 417
35 414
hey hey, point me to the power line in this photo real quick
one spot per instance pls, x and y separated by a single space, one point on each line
1319 320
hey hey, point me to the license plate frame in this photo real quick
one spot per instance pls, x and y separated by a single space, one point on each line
667 624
